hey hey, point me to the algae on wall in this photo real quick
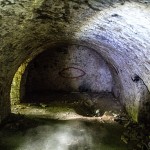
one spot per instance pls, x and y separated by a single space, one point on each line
15 86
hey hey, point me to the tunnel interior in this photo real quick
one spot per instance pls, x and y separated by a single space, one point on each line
69 74
68 69
100 75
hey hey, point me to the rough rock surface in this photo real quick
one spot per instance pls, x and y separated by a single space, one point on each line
118 30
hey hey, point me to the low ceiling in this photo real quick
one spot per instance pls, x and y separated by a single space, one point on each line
119 31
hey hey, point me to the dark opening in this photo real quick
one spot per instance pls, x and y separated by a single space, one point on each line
73 75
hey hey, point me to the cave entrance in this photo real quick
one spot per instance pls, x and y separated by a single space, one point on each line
73 76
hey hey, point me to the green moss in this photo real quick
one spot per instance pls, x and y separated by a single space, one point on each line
15 86
133 112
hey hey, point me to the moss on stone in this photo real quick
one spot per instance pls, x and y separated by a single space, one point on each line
133 112
15 86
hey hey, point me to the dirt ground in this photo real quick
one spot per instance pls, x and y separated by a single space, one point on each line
64 122
66 106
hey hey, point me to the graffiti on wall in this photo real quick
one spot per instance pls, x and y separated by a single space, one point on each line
72 73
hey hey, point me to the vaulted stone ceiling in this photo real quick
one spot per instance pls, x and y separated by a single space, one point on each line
118 30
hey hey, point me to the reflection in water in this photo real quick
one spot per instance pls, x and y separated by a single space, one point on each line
65 135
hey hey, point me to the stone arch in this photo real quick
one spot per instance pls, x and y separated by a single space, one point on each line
120 37
127 97
15 88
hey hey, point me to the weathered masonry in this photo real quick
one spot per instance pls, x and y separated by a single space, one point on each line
112 37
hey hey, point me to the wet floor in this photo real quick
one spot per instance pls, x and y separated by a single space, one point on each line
56 122
79 104
48 134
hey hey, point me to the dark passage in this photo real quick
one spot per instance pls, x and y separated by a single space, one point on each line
73 75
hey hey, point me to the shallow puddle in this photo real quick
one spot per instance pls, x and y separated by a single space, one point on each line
63 135
60 125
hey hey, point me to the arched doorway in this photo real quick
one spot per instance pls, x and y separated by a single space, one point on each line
74 70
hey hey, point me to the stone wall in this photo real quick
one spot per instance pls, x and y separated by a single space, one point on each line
68 69
116 33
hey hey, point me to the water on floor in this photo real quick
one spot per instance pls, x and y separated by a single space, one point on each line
46 134
57 122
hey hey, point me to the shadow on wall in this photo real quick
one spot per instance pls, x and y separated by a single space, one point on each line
66 69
